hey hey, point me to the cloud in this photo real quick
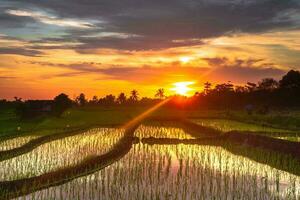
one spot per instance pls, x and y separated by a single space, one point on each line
20 51
226 62
52 20
241 70
7 77
150 75
237 72
157 24
244 74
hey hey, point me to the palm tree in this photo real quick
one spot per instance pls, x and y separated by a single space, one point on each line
17 99
134 95
160 93
121 98
207 87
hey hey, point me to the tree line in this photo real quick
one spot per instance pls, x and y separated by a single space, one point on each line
265 94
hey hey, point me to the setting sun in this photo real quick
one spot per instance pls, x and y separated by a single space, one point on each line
182 88
185 59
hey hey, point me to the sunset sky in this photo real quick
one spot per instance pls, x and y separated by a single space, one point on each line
109 46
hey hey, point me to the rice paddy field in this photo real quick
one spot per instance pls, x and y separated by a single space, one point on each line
226 125
207 169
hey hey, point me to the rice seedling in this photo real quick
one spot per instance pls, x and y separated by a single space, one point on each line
231 125
15 142
161 132
182 171
59 153
225 125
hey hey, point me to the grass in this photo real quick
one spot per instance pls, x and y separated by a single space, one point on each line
231 125
226 125
76 118
288 119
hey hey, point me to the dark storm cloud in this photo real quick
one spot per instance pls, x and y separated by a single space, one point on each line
226 62
241 70
20 51
133 43
9 21
158 23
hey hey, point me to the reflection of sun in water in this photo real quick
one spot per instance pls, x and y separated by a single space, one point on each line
182 88
185 59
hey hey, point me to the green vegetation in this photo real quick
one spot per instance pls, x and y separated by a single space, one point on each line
77 118
287 119
231 125
103 164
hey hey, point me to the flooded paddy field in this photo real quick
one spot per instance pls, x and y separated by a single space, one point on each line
156 162
226 125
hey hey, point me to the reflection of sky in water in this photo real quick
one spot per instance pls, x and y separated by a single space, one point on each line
231 125
178 172
161 132
52 156
15 142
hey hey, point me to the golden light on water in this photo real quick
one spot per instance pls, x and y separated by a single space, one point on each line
183 88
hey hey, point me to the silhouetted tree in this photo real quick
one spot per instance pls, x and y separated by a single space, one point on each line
121 98
108 100
134 95
197 94
18 99
81 100
251 86
259 98
225 87
160 93
34 108
60 104
207 87
268 84
94 100
240 89
291 80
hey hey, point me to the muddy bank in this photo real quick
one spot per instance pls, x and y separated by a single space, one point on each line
244 138
34 143
21 187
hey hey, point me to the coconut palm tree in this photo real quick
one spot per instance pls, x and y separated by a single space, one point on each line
160 93
134 95
207 87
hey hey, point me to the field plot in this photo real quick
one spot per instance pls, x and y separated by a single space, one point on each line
231 125
15 142
159 171
58 154
161 132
